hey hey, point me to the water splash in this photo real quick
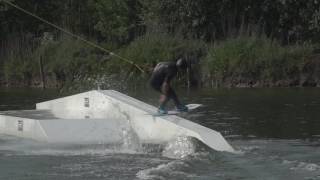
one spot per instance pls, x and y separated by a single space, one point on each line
11 146
179 148
172 170
130 140
296 165
179 168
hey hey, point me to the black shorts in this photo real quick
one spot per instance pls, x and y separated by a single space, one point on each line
156 85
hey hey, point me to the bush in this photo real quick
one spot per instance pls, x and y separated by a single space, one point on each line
255 58
69 59
19 64
150 49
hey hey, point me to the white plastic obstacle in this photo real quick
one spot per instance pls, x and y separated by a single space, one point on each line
99 117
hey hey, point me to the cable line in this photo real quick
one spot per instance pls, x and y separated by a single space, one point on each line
75 36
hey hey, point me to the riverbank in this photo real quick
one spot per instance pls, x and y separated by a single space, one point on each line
256 45
244 61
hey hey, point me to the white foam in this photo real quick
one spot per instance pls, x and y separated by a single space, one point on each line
248 149
131 141
306 166
172 170
26 147
296 165
179 148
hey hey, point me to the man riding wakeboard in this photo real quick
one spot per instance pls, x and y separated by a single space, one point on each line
162 74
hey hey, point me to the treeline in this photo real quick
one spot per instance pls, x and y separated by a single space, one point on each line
227 42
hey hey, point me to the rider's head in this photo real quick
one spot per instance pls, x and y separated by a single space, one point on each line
182 64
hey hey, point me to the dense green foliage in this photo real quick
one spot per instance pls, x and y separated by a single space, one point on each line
250 60
286 20
235 41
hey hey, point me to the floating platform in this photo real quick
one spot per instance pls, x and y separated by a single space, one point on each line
98 117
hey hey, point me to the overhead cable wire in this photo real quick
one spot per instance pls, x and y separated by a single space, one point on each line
74 35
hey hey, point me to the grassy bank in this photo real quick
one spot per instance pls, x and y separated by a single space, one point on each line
250 61
245 61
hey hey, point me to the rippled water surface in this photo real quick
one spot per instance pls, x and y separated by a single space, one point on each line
277 132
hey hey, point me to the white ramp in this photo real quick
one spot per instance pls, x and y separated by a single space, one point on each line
101 117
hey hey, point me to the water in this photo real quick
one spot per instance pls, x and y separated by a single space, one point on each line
277 132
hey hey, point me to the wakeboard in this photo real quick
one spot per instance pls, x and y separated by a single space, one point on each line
191 107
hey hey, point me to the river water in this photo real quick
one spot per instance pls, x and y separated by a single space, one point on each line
276 131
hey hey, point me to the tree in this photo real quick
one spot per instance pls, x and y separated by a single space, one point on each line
118 20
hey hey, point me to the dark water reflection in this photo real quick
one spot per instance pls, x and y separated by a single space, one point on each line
19 98
261 113
257 122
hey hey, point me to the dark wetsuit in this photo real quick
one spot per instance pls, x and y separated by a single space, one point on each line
164 72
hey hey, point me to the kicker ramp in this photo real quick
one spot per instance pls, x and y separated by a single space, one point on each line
100 117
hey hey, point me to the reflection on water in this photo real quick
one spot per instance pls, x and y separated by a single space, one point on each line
277 131
260 159
19 99
261 113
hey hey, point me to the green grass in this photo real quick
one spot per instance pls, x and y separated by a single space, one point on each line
148 50
76 64
257 58
19 63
